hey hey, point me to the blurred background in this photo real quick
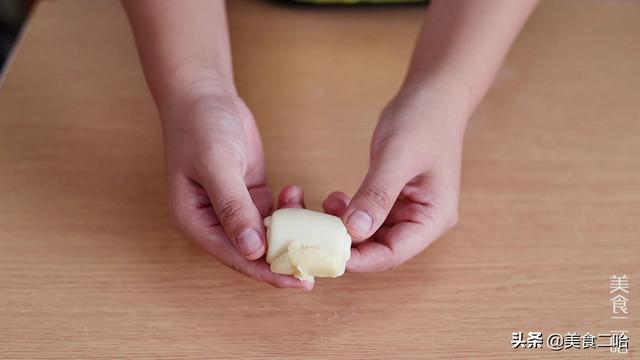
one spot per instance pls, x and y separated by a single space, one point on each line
13 14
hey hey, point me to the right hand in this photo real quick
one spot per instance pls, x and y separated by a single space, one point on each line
216 179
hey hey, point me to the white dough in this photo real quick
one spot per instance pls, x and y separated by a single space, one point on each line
306 243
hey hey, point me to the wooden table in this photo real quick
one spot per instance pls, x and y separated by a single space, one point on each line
550 204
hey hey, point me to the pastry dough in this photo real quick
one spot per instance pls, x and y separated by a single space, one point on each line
306 243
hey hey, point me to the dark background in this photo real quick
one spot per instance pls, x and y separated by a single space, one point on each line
12 16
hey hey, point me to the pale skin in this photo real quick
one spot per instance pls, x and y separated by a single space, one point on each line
215 164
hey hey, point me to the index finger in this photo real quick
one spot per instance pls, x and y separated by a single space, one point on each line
393 246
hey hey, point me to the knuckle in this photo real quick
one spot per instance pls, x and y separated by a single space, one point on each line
204 166
448 218
227 158
206 163
378 196
229 211
203 161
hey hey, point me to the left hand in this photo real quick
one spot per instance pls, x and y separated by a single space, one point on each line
409 197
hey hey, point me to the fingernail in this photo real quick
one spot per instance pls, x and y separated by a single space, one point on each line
249 241
360 221
295 199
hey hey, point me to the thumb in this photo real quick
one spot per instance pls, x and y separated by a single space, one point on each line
237 213
374 199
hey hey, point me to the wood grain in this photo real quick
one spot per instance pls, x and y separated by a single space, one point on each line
90 268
